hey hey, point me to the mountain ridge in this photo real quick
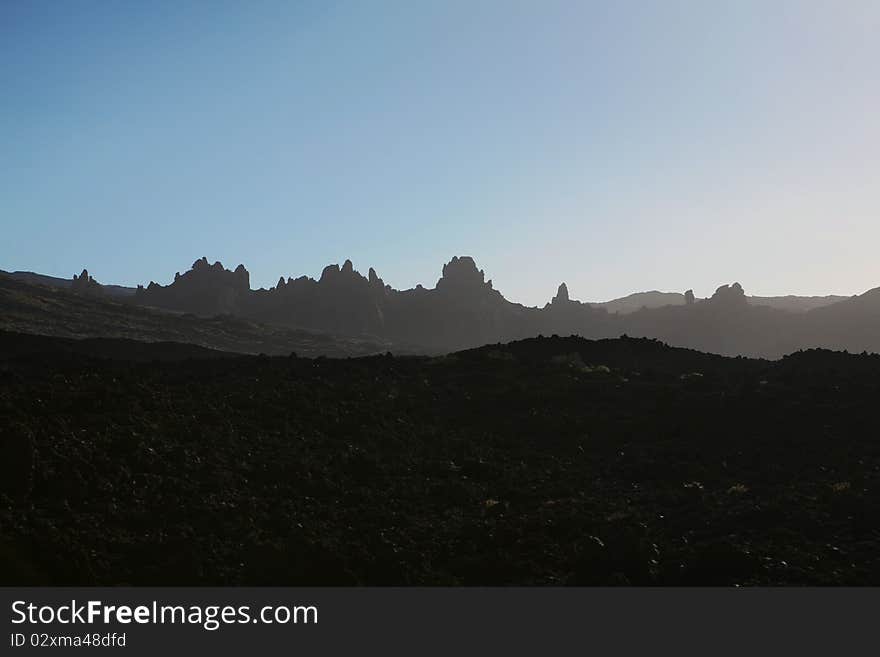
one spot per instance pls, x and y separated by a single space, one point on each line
464 310
625 304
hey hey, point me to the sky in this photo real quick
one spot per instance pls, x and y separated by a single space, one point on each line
617 146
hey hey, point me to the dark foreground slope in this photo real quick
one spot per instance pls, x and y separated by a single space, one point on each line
548 461
27 307
21 346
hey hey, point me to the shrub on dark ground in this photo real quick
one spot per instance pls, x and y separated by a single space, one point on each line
661 466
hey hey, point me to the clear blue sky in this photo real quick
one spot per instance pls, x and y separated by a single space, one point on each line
618 146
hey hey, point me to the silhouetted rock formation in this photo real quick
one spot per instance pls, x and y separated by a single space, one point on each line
204 290
564 316
85 284
342 301
464 310
374 279
729 296
561 295
624 305
463 307
460 275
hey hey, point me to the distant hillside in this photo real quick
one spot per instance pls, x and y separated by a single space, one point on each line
796 304
655 299
66 283
639 300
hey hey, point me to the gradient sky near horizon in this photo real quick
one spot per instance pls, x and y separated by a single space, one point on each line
616 146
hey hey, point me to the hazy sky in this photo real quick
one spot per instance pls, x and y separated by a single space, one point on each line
618 146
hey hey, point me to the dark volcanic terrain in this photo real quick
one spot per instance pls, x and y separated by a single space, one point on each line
545 461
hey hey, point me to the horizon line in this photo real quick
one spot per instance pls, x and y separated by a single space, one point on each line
487 278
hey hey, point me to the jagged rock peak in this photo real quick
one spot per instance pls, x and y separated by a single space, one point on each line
689 297
374 279
561 294
202 264
85 283
329 271
243 276
347 267
462 271
729 295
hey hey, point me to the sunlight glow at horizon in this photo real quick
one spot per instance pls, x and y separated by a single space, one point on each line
656 145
